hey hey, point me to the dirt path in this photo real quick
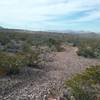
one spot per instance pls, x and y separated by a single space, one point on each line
70 63
38 84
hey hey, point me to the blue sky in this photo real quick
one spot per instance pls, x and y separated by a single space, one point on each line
51 14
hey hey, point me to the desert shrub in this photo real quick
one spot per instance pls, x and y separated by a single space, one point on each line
26 47
35 58
11 64
55 45
89 48
83 85
32 59
86 52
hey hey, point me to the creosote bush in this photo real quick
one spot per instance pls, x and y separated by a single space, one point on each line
55 45
86 86
89 49
33 59
10 63
37 58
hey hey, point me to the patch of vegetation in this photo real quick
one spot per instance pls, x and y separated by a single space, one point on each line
34 59
89 48
19 42
55 45
86 86
11 64
24 48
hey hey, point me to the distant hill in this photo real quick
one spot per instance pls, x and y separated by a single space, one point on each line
1 27
84 34
67 32
13 30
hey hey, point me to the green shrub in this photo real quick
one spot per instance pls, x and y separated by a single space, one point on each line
55 45
33 58
90 49
86 52
83 85
11 63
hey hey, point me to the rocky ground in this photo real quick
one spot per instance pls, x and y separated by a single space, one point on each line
47 83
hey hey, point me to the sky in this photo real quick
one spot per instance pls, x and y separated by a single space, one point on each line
83 15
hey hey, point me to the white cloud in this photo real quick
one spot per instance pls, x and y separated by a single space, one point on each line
93 15
24 11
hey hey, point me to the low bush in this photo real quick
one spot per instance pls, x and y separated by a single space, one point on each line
86 86
33 59
11 64
55 45
36 58
89 49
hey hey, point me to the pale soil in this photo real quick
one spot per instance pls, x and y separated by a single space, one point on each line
34 84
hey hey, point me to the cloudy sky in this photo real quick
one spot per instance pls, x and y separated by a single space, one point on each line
51 14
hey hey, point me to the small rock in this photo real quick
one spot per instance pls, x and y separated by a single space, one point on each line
61 98
72 98
36 98
51 99
45 97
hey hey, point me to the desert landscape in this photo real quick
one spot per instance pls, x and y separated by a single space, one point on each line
49 49
56 60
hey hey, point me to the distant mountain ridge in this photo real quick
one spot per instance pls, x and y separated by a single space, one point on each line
1 27
71 31
14 30
79 33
